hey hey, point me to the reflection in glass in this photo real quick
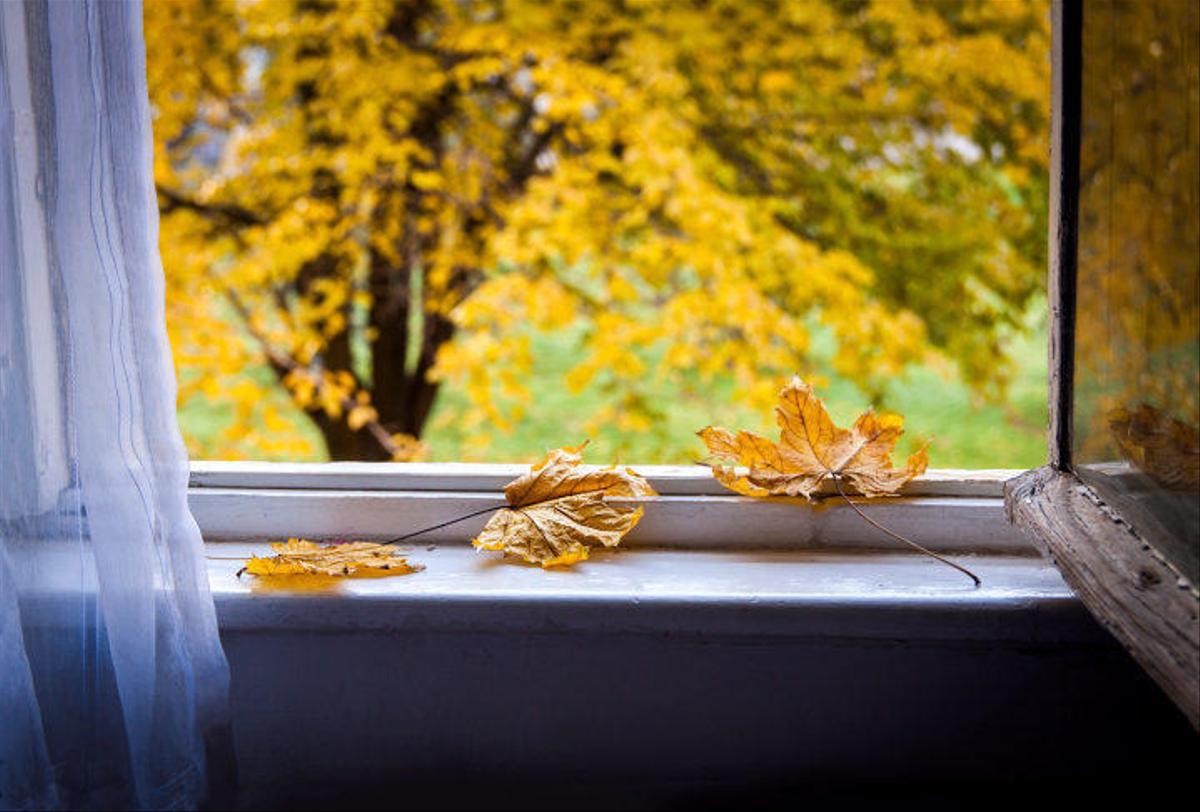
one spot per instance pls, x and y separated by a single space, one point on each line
1138 336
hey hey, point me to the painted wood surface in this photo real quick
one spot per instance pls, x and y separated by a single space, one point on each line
850 595
699 521
665 669
671 480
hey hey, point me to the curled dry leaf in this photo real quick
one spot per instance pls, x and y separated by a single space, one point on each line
811 449
301 557
560 509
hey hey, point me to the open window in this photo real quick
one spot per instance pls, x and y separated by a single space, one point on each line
729 602
1118 506
818 153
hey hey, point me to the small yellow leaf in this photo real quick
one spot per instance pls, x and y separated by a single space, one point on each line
812 449
359 416
407 448
301 557
559 510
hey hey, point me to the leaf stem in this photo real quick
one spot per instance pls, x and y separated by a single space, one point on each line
397 539
431 528
837 480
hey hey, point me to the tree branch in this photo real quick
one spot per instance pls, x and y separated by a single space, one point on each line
229 214
284 362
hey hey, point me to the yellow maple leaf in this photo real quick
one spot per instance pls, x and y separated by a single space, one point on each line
302 557
812 449
558 510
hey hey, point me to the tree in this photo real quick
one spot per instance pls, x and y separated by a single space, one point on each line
390 195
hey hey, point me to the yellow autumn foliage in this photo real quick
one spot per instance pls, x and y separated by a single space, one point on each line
389 196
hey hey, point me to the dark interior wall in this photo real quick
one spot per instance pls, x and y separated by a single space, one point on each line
668 717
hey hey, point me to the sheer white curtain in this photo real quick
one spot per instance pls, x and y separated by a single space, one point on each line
112 678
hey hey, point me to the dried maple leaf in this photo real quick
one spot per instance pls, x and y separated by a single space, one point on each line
301 557
558 510
812 449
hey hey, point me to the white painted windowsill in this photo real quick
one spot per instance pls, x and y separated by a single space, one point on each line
764 593
702 561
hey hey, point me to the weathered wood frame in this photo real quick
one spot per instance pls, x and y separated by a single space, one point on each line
1147 602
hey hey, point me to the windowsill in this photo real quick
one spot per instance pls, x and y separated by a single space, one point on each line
726 641
702 559
668 669
753 593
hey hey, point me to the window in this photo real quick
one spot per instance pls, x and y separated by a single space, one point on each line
378 216
710 570
471 232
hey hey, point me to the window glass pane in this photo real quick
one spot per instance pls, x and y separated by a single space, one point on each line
1138 339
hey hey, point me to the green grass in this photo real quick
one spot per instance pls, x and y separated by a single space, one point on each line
937 407
202 420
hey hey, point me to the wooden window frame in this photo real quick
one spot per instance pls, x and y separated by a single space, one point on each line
1125 577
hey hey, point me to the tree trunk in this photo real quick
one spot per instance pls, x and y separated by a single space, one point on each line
422 393
403 396
345 444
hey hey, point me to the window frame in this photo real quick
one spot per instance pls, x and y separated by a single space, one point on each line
949 510
954 511
1126 578
1023 607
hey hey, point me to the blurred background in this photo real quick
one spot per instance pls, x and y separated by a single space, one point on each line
460 230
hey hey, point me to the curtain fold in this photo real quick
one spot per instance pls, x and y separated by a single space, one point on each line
112 677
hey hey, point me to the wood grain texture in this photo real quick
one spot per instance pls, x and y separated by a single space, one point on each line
1145 602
